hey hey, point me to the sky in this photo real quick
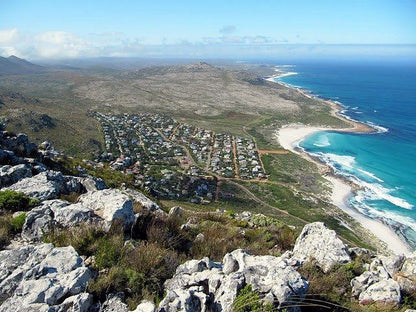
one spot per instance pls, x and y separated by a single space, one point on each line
54 29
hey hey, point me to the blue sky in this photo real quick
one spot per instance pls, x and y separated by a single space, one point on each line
53 29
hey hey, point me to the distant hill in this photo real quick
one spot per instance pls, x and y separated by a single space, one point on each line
13 65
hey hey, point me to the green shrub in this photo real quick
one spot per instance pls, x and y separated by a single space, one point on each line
248 300
17 223
219 240
83 238
109 251
16 201
139 273
333 288
5 230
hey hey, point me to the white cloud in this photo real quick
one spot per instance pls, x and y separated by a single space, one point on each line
62 44
8 36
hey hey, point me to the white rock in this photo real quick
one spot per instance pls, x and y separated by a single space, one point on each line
377 284
203 285
12 174
41 219
382 291
43 186
145 306
114 303
91 183
176 211
406 277
35 276
77 303
146 202
322 244
70 215
110 205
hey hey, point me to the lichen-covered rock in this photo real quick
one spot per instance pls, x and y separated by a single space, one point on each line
145 306
321 244
78 303
202 285
146 202
114 303
91 183
387 291
377 283
45 185
33 278
176 211
38 221
110 205
100 207
406 277
12 174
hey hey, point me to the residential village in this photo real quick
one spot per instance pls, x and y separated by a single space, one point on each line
174 160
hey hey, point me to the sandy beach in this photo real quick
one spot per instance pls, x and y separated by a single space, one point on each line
290 136
280 75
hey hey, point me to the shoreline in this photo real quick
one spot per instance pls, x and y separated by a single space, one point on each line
289 137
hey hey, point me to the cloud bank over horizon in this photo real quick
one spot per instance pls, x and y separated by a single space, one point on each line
68 45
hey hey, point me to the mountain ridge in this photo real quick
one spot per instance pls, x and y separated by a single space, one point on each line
14 65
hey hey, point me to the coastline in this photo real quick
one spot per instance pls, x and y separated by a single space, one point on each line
290 136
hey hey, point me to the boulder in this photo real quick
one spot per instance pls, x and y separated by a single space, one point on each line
176 211
48 184
12 174
103 207
114 303
321 244
145 306
43 186
38 221
146 202
203 285
70 215
386 291
33 278
109 205
90 183
406 277
377 283
79 303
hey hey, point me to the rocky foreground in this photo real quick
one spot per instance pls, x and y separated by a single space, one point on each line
35 276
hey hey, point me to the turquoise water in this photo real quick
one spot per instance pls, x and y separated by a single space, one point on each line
382 95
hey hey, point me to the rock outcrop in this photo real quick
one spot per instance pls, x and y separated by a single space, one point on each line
47 185
406 277
12 174
321 244
377 283
203 285
110 205
102 207
43 278
144 201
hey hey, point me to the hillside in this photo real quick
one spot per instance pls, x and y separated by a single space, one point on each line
219 99
13 65
70 243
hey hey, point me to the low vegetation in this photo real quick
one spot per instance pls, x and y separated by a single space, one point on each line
248 300
10 203
139 261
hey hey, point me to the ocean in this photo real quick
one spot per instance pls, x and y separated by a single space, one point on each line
381 94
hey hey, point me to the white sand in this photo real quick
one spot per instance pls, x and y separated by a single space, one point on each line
289 137
280 75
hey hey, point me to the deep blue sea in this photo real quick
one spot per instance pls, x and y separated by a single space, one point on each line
381 94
